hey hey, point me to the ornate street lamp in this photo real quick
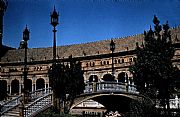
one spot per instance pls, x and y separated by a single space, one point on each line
25 39
112 48
54 23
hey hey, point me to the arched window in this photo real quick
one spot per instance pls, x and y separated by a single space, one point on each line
119 61
122 60
130 59
101 63
93 64
115 61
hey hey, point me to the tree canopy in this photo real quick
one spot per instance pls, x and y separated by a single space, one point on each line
153 70
66 80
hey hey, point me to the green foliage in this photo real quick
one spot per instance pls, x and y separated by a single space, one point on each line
66 81
153 70
142 108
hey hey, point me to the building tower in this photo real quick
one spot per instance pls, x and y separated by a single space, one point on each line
3 7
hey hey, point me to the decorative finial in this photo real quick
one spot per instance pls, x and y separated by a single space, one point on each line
166 26
54 8
26 34
155 20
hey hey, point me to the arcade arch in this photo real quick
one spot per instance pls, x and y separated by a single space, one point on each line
28 84
3 88
122 77
15 86
108 77
93 78
40 83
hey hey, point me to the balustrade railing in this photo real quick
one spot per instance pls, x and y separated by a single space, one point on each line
109 86
39 93
36 95
173 103
38 105
10 104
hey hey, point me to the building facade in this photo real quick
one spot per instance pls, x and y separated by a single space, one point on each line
96 59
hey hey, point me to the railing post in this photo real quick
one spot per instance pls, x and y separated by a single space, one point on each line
127 87
94 87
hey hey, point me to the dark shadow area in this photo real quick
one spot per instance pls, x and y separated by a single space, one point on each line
114 102
93 78
108 77
40 84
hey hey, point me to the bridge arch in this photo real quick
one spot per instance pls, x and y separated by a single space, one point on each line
108 100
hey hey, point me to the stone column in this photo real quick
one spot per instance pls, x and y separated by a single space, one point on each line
20 88
94 87
10 89
21 111
32 87
21 107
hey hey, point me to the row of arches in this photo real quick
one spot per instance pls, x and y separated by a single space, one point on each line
122 77
15 86
108 62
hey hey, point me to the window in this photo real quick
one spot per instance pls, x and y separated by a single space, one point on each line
134 59
115 61
122 60
130 59
101 63
93 64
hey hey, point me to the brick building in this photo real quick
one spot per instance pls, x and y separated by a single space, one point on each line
95 57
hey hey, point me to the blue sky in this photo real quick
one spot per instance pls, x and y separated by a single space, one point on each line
82 21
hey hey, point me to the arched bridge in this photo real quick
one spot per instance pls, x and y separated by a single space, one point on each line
113 95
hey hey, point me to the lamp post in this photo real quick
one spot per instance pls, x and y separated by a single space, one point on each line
24 45
54 23
112 48
25 39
